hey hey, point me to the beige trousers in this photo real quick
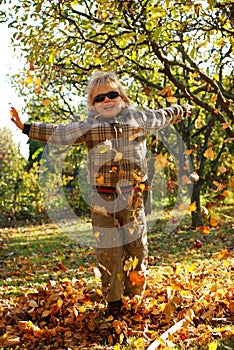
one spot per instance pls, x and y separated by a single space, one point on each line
119 227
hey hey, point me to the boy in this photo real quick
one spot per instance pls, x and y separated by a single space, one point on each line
115 135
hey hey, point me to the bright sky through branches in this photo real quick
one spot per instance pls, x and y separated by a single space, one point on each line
9 64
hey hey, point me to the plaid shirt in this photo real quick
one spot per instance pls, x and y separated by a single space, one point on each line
117 146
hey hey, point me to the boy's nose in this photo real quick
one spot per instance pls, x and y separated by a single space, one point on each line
107 99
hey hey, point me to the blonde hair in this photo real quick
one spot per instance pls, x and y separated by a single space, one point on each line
101 77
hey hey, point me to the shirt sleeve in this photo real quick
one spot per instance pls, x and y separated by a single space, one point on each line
61 134
154 120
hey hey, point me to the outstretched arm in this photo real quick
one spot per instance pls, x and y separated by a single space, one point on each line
16 119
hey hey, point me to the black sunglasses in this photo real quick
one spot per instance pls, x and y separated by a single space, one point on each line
111 95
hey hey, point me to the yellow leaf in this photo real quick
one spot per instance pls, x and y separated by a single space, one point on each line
198 123
105 146
100 210
222 169
162 159
81 309
130 264
186 180
209 153
96 234
218 185
226 193
29 79
118 157
214 222
38 81
194 176
192 268
46 102
225 125
231 182
100 180
214 98
204 229
59 303
193 206
213 345
171 99
188 152
139 343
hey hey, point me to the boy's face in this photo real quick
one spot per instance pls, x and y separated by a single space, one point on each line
107 106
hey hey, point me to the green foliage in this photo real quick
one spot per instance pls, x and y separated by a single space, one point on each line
163 54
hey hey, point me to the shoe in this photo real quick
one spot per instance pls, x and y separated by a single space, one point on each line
114 308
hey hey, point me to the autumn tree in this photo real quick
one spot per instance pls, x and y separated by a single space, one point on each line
164 52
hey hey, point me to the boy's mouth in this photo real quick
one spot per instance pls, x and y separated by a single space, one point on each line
108 107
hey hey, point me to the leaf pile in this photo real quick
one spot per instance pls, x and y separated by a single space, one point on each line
69 313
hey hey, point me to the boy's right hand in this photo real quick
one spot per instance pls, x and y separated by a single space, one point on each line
16 119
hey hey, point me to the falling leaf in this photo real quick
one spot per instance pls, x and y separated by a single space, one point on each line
136 133
130 264
167 91
193 206
188 152
171 99
162 160
118 157
218 185
204 211
105 146
204 229
185 179
194 176
226 193
209 153
113 169
137 175
222 169
100 210
198 123
225 126
100 180
137 278
96 234
231 182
